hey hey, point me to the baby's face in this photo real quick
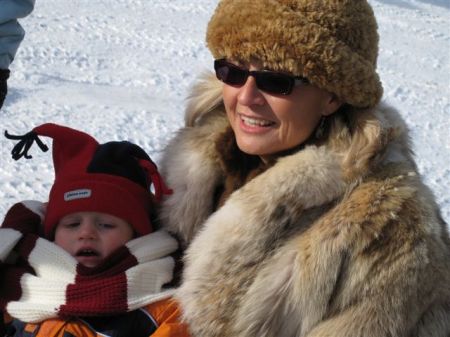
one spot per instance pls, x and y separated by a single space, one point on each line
90 237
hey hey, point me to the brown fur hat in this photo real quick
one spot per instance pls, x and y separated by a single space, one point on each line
333 43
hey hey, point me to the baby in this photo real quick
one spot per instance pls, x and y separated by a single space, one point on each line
99 211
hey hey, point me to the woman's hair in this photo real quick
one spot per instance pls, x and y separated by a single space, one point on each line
205 95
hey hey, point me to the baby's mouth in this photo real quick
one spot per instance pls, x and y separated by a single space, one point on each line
87 252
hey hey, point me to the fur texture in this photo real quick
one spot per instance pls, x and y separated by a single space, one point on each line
338 239
333 43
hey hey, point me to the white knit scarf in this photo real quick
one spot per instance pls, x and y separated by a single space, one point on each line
40 280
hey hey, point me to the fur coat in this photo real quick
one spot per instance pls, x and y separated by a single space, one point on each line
339 239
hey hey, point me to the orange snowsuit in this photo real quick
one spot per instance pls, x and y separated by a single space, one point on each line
159 319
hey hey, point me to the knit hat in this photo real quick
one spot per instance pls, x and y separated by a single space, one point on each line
333 43
112 178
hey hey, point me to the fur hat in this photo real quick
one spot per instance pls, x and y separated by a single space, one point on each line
333 43
111 178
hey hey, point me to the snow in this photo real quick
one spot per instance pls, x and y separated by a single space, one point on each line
121 69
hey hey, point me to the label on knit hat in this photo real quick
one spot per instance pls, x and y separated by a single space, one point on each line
77 194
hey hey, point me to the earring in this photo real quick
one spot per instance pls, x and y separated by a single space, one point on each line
320 130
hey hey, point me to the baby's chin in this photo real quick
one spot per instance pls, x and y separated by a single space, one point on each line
90 261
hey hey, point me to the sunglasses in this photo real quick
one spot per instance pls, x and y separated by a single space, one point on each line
272 82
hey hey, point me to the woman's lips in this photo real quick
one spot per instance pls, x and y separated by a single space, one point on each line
254 125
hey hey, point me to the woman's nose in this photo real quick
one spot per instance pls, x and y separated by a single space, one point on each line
249 94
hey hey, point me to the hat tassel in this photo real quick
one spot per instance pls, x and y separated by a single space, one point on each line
26 141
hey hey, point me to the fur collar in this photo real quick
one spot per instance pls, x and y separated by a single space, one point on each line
194 165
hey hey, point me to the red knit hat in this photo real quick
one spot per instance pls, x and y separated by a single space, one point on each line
112 178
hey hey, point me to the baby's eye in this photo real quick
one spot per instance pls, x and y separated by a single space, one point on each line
106 225
71 224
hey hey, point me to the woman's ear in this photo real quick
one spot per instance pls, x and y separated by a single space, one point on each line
332 104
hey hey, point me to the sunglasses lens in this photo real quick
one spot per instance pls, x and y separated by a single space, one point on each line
274 83
268 81
230 74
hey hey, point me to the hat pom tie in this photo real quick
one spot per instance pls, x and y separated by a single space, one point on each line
26 141
158 182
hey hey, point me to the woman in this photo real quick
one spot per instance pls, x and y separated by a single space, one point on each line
11 35
295 190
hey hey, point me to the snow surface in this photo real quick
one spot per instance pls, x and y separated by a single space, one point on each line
121 69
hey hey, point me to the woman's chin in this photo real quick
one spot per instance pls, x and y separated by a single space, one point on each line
252 146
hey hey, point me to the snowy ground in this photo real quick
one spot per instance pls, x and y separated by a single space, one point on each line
120 69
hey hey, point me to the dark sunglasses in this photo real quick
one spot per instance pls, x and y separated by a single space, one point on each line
272 82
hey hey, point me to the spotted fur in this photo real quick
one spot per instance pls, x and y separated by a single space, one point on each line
338 239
